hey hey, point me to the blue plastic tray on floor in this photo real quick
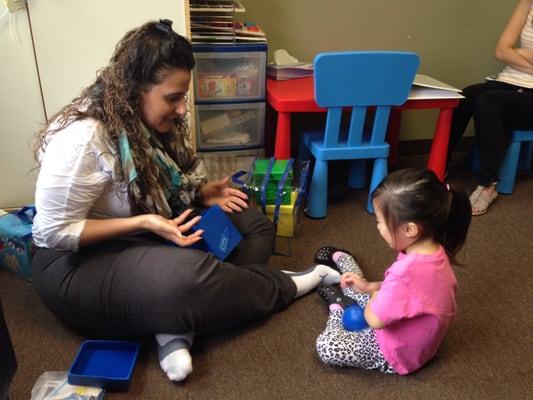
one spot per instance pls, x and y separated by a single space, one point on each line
107 364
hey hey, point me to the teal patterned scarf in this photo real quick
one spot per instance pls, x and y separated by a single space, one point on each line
169 202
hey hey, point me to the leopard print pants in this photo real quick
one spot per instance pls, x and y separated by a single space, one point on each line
342 348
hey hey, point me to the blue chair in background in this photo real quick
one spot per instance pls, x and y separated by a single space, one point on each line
519 155
520 149
356 80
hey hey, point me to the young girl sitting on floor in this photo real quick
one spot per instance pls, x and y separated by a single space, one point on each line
409 312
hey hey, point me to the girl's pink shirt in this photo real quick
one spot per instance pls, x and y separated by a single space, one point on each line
416 303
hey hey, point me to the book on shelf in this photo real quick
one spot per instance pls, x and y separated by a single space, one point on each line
216 6
428 88
221 31
213 22
290 71
223 28
225 39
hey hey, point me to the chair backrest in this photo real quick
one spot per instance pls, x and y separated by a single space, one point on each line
360 79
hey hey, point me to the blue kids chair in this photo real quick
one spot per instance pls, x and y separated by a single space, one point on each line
520 149
356 79
519 155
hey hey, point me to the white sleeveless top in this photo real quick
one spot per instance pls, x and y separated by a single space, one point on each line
511 75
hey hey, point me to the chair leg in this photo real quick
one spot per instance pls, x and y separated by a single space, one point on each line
526 156
318 193
508 169
379 172
357 177
393 135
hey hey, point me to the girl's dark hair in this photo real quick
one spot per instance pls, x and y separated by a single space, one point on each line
139 61
417 195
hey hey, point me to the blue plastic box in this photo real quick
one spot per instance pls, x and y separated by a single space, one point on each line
220 235
107 364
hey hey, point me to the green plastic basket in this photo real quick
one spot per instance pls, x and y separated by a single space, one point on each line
278 169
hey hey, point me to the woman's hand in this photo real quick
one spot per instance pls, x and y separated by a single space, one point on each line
229 199
173 229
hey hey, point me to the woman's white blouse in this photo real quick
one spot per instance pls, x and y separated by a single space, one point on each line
77 181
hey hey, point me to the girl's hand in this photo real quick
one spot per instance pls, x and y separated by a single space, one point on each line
353 281
173 229
229 199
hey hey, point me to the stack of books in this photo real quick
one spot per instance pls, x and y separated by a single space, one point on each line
291 71
218 31
428 88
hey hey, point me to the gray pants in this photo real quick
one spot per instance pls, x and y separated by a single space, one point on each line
342 348
139 285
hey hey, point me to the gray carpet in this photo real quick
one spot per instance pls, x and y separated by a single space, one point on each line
486 355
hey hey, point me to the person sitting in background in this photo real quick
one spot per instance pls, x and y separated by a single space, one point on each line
504 102
117 181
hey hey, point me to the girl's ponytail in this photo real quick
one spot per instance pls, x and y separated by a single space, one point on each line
453 236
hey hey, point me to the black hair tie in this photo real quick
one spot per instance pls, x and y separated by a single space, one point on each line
164 25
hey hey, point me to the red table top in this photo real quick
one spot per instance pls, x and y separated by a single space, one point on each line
292 95
297 95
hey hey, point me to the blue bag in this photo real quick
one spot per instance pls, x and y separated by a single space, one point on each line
16 245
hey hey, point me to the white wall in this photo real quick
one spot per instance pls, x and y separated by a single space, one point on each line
73 39
20 110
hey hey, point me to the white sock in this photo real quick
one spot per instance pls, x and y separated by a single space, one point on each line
174 356
310 279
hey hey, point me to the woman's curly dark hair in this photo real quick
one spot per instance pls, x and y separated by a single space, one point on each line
140 59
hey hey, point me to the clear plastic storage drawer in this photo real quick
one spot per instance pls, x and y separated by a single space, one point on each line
230 126
230 76
220 164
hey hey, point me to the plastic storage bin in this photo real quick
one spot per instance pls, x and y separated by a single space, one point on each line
225 163
107 364
288 216
230 126
278 169
229 73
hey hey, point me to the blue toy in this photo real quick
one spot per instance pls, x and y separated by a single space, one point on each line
353 318
220 236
